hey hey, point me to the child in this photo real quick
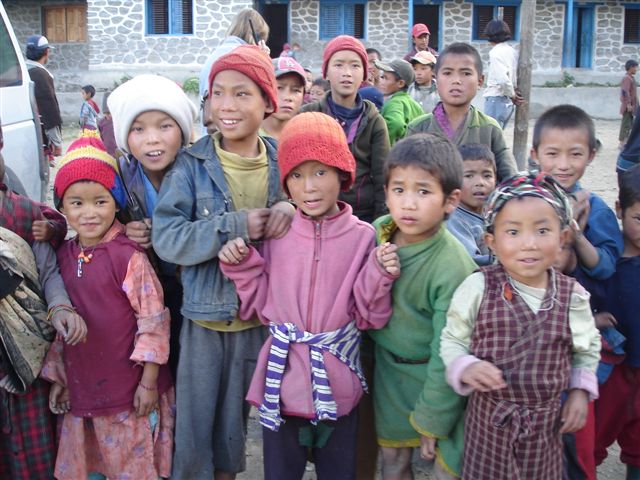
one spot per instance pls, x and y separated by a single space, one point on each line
152 120
518 334
373 74
344 65
114 389
105 127
478 181
618 408
564 144
32 299
628 100
89 110
399 108
333 249
459 75
318 89
224 186
424 90
414 406
290 78
501 94
420 35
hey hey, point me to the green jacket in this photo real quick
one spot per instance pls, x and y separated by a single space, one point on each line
369 148
478 128
398 111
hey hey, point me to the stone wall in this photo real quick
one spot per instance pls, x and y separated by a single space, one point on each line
610 53
549 31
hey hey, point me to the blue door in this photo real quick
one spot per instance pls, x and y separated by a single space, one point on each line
578 37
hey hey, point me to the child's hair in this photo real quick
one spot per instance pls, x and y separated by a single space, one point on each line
478 151
528 184
241 28
460 48
371 50
497 31
629 188
432 153
630 64
90 90
565 117
322 83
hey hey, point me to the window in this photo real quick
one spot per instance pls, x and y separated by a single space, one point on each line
631 25
65 23
484 12
169 17
10 73
342 18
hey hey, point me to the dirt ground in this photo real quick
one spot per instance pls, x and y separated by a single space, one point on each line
599 178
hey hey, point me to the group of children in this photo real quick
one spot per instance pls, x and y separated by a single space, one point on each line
269 246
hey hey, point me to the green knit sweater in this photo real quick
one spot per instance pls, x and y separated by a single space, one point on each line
398 111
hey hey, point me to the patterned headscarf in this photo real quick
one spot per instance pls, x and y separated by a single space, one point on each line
528 184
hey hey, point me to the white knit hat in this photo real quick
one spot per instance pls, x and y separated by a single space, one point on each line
145 93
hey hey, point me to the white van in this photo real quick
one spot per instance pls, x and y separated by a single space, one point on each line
22 152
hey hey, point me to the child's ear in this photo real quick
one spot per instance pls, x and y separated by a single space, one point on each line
565 236
480 80
489 241
402 84
452 201
534 156
618 210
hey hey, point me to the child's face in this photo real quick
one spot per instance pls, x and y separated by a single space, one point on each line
314 187
154 140
421 42
527 239
633 70
85 95
417 203
564 154
630 229
478 181
345 73
90 210
373 74
290 96
389 83
424 73
316 93
458 80
238 107
308 80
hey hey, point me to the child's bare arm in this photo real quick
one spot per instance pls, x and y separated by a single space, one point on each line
145 400
483 376
387 255
428 447
280 218
42 230
574 411
59 402
587 254
234 251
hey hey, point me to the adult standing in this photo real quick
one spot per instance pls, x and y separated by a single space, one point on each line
501 95
38 51
420 36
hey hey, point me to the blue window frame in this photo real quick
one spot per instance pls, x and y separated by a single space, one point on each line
486 10
169 17
342 18
632 23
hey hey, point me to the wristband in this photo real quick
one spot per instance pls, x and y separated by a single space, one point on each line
53 310
148 389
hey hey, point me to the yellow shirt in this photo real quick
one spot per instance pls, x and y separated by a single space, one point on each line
248 182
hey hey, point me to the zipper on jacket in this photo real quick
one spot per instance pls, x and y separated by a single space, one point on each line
314 268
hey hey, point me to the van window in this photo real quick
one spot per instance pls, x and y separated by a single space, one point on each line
10 73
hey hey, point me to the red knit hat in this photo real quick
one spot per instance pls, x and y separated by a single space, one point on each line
343 42
87 159
251 61
315 136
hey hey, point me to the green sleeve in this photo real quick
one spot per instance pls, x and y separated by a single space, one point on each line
393 114
420 124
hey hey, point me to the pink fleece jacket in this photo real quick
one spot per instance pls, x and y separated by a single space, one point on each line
320 276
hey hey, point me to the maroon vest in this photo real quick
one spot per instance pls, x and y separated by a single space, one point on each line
101 378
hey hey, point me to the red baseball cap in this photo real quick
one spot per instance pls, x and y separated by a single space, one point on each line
420 29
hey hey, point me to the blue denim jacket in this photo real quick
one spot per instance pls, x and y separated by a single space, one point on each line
194 218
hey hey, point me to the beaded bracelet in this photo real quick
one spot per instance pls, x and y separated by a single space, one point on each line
53 310
148 389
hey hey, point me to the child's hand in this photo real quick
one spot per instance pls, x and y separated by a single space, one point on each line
581 207
145 399
234 251
604 320
483 377
59 399
427 447
140 232
280 218
42 230
70 326
387 255
574 411
257 221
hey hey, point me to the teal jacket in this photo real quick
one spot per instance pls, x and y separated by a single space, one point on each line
398 111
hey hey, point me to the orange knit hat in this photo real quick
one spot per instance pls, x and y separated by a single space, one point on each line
315 136
251 61
343 42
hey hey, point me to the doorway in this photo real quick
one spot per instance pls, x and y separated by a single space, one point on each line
430 16
577 49
276 14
